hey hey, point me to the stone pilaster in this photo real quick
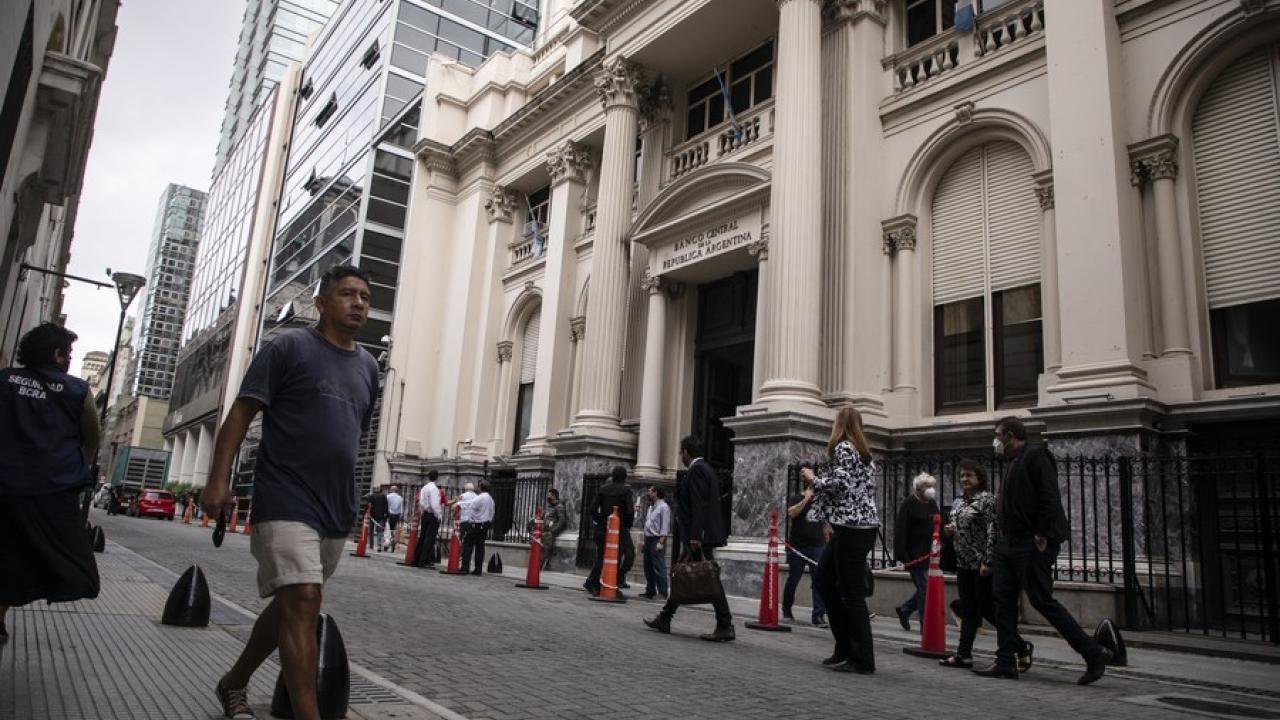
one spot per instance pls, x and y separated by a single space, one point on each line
1154 163
1050 309
648 450
900 233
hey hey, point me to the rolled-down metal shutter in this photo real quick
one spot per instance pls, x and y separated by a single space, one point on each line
959 253
529 347
1236 147
1013 217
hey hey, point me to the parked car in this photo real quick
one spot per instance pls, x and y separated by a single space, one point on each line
155 503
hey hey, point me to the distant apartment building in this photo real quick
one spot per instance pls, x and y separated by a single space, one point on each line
93 368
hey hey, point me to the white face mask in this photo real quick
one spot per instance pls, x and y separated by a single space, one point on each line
998 445
930 493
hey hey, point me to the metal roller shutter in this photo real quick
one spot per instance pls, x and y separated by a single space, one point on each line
1013 217
1236 148
529 348
959 257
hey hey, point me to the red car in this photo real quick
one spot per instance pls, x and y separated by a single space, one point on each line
156 503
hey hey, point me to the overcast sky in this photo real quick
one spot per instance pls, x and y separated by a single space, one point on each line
158 122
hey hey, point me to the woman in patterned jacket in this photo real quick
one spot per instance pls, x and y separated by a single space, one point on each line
973 533
845 499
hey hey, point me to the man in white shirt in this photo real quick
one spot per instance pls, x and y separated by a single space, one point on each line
657 526
477 513
429 523
395 513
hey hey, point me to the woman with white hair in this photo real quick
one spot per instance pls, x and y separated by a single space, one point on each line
913 539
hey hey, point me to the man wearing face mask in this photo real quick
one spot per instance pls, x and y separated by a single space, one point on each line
1031 527
913 539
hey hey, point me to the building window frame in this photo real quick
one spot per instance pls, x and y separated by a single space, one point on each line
748 70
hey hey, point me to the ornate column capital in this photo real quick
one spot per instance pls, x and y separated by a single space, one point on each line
504 351
569 162
436 157
759 249
619 83
899 233
501 205
1044 189
577 328
839 11
655 104
1154 159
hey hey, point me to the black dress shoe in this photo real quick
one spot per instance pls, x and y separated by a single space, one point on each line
1095 667
849 666
648 595
904 618
722 633
834 660
661 623
786 614
998 671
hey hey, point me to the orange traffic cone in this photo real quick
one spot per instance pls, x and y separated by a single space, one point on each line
609 574
248 517
455 546
933 631
363 542
533 575
186 515
235 514
204 519
410 548
768 616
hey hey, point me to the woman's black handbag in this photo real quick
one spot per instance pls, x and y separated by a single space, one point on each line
695 582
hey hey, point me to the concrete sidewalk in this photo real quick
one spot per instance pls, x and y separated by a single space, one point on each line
111 658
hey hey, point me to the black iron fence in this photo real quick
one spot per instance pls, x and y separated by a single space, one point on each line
516 500
1191 541
586 555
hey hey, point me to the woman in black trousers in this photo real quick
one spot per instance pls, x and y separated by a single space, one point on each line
845 499
973 533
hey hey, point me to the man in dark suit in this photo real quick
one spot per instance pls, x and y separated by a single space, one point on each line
615 493
697 509
1032 527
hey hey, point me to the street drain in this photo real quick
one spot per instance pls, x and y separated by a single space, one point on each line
1216 707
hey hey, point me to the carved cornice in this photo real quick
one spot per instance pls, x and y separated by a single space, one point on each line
436 157
504 351
569 162
619 83
838 11
501 205
1154 159
899 233
577 328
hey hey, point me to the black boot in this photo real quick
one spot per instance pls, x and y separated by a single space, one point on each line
1095 667
722 633
661 623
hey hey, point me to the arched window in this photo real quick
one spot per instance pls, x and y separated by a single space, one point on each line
988 343
1236 147
528 372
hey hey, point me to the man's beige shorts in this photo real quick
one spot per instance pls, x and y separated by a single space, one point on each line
292 553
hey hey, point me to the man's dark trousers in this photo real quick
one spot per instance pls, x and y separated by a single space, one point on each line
795 571
464 534
1018 566
425 554
920 578
655 567
721 604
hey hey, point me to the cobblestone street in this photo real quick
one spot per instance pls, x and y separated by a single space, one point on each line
480 648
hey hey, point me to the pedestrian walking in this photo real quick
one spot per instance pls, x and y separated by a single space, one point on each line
479 511
698 514
48 437
614 494
845 499
1031 526
315 387
554 521
972 530
378 511
657 526
395 512
913 540
429 522
806 542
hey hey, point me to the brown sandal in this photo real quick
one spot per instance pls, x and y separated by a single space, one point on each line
955 661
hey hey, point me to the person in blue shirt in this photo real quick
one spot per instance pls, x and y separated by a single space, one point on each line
48 433
315 388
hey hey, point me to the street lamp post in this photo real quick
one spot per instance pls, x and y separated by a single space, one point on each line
127 286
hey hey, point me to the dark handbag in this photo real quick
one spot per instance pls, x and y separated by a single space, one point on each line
695 582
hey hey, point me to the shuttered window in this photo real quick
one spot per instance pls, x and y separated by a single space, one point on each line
985 228
529 348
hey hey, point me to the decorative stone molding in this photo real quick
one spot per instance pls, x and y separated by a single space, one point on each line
619 83
759 249
1154 159
501 205
504 351
577 328
838 11
964 112
437 158
1044 189
899 233
569 162
1252 7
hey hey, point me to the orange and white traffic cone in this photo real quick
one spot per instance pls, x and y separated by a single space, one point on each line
362 543
768 616
235 515
609 573
933 630
411 548
533 575
248 518
455 547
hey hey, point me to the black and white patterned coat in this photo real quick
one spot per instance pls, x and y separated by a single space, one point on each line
975 521
846 495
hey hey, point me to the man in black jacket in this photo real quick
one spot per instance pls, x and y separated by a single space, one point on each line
913 540
1032 527
615 493
697 508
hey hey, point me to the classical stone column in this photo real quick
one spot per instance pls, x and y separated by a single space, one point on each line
1155 162
617 83
191 447
648 450
901 233
760 251
204 456
1049 273
577 332
498 444
886 314
175 460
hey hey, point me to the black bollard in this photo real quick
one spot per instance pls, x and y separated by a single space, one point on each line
495 564
99 539
188 604
333 677
1108 636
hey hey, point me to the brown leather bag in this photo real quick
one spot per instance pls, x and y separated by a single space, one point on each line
695 582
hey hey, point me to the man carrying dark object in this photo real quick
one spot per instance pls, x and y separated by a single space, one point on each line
315 387
1031 526
806 542
48 432
479 510
913 539
615 493
378 510
429 526
702 529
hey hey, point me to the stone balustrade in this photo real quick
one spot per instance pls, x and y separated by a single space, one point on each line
721 141
925 62
1003 27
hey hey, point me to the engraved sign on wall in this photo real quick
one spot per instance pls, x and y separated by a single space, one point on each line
706 242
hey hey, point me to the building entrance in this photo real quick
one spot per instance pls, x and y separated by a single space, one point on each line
724 352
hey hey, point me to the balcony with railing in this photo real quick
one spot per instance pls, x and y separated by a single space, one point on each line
752 129
530 245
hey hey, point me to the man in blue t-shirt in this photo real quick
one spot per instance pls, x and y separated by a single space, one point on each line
315 387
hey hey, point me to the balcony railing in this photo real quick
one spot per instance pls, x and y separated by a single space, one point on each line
946 53
723 140
531 245
999 29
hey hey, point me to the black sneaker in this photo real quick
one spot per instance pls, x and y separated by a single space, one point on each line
904 618
235 702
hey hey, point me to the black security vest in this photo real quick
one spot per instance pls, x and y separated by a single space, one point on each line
40 413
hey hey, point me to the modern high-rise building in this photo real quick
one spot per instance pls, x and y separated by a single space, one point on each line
170 265
273 36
